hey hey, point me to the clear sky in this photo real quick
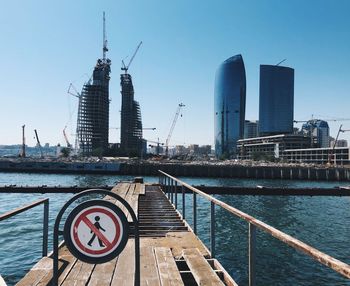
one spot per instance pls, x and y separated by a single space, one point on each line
46 45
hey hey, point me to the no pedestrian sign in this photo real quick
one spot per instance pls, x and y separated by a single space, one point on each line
96 231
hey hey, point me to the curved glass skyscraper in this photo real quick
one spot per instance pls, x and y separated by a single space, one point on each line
229 106
276 100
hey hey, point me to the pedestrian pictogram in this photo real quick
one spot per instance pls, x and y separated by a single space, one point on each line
98 226
96 231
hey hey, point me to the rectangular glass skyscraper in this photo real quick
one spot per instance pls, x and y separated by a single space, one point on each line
276 100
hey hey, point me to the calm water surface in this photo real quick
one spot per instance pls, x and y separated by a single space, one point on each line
322 222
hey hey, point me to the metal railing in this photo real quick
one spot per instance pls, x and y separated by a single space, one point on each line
169 185
45 219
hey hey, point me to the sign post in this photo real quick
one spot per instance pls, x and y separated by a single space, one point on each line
96 231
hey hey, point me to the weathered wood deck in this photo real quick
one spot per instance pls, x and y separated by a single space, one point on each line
170 253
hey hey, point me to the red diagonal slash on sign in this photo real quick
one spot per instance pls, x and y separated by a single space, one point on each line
96 231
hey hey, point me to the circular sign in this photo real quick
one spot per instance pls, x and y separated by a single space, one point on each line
96 231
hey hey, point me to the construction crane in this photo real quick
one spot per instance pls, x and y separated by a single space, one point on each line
281 62
66 138
172 128
23 153
124 67
76 93
146 128
313 122
313 119
157 146
105 49
38 141
331 155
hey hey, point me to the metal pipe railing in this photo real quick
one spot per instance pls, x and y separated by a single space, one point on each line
253 223
45 219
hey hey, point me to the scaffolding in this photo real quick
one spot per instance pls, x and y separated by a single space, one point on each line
131 123
93 112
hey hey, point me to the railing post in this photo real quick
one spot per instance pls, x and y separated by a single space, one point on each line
168 188
212 229
252 254
172 191
183 202
175 188
45 227
195 212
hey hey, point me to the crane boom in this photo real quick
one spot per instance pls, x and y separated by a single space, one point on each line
66 138
172 128
125 68
23 155
37 140
105 49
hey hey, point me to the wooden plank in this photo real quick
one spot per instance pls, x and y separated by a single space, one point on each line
137 189
66 260
79 275
177 241
168 271
124 273
227 278
103 273
134 203
149 271
37 273
200 268
143 189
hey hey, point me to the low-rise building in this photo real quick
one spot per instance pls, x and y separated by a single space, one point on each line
270 146
338 156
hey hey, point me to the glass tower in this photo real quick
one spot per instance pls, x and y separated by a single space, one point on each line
276 100
229 105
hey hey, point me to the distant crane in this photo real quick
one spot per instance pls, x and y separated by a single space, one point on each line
331 155
333 119
66 138
281 62
146 128
157 146
124 67
38 141
76 93
313 121
23 153
172 128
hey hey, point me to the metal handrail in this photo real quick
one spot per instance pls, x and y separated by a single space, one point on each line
335 264
45 219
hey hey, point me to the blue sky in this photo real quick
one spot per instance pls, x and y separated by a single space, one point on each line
46 45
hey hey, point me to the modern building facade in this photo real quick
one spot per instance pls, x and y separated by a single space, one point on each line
270 147
251 129
229 105
318 131
276 100
93 114
336 156
131 124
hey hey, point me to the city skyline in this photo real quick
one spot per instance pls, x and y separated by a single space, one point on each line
184 43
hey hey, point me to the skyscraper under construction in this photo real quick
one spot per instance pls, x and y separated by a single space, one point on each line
131 124
93 111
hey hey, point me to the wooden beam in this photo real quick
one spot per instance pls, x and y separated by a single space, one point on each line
168 272
200 268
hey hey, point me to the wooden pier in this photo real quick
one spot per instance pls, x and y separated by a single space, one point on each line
170 253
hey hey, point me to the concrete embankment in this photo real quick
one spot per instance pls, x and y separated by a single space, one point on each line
238 171
183 169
